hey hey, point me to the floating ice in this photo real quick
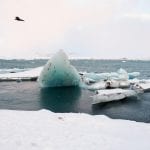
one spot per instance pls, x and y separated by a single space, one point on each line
133 75
58 72
94 86
121 74
103 84
97 76
112 95
23 76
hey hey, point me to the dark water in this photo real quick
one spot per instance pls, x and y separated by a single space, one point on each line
28 95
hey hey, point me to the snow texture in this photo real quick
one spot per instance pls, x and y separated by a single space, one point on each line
58 72
113 95
45 130
24 74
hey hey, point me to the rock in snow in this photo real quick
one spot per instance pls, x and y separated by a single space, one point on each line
58 72
45 130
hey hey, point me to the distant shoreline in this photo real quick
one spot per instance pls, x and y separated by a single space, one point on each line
113 59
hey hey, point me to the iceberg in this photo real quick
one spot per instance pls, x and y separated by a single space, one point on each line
59 72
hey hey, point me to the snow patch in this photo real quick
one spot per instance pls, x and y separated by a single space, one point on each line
45 130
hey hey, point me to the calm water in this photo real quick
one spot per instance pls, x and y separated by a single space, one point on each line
28 95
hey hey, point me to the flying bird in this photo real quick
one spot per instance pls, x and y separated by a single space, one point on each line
18 19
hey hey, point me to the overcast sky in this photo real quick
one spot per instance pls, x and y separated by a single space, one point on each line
83 28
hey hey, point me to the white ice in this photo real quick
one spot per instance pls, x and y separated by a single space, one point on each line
44 130
25 74
108 95
103 84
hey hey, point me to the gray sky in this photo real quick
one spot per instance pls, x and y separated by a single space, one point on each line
83 28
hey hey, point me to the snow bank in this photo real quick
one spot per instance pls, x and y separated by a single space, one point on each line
44 130
13 70
24 74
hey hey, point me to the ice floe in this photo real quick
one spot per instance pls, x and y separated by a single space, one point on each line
24 75
121 74
108 95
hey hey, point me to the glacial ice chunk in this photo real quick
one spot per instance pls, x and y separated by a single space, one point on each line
133 75
122 74
59 72
97 76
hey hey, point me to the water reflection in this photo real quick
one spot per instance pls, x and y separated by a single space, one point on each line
105 107
130 109
28 96
61 99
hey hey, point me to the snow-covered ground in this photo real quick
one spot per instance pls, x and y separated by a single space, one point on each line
45 130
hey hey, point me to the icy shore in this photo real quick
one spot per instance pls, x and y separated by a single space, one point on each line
45 130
